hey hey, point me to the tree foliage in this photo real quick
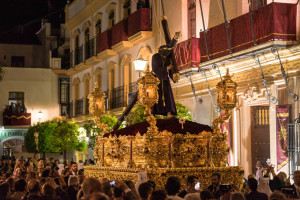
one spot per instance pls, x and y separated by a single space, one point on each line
137 115
92 129
54 136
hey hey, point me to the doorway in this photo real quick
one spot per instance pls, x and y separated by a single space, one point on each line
260 135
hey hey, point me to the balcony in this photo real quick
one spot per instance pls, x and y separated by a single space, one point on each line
273 23
16 119
78 107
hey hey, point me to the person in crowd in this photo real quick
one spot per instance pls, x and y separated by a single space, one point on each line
259 170
145 190
41 166
4 191
73 187
48 192
277 195
215 185
11 182
12 107
237 196
172 188
226 191
20 190
253 193
190 186
122 191
206 195
74 169
158 195
91 185
108 190
296 185
98 196
131 186
34 190
23 109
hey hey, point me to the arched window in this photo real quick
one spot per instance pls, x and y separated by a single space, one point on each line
192 18
127 8
111 19
98 27
99 80
87 43
76 88
86 87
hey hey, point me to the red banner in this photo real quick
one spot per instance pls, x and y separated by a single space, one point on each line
282 120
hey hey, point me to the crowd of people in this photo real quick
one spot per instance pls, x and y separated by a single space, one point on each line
39 179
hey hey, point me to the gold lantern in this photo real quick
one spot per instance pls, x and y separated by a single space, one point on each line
97 106
227 93
226 101
148 96
36 140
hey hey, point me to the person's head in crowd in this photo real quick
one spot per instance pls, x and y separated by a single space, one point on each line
259 164
4 190
158 195
296 178
215 179
237 196
91 185
107 189
45 160
119 194
51 160
98 196
190 183
277 195
65 172
20 185
145 190
74 167
46 173
56 162
252 184
206 195
48 190
41 163
11 183
282 176
251 176
172 186
34 187
18 173
48 166
152 183
73 181
81 179
81 172
31 175
131 185
226 190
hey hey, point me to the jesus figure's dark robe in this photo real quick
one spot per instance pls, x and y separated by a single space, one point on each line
166 101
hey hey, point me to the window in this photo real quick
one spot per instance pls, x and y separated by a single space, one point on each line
64 98
255 4
15 101
192 18
111 18
87 44
98 27
126 8
17 61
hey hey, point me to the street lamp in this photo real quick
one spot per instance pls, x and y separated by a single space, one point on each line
140 64
40 115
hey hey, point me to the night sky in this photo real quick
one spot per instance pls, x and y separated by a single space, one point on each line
21 19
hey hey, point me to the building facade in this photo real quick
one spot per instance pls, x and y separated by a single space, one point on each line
107 35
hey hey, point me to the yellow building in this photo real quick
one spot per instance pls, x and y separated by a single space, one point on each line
107 35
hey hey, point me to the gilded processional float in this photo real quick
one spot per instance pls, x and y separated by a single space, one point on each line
164 147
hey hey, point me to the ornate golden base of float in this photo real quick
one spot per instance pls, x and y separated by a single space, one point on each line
122 154
233 175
